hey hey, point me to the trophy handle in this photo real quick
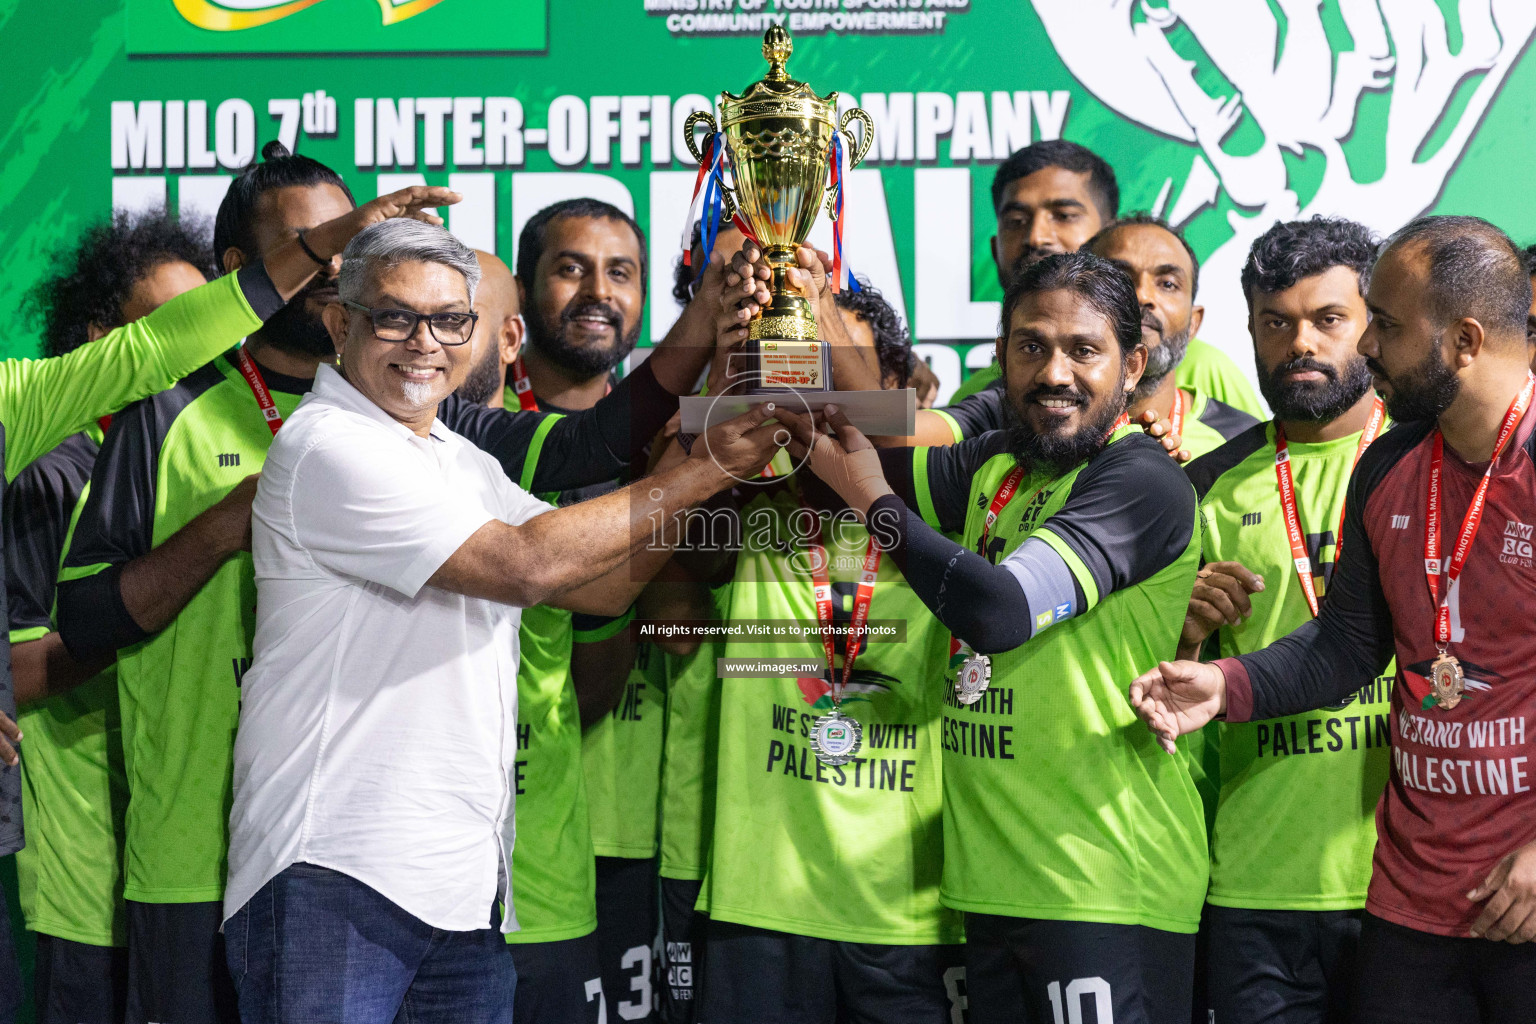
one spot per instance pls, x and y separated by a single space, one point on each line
858 148
703 117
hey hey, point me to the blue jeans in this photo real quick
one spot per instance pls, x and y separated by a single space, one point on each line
317 945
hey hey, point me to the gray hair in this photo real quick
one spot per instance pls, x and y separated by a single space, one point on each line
402 240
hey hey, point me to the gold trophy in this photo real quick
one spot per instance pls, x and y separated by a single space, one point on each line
778 139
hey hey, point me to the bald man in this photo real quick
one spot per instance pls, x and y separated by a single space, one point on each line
499 336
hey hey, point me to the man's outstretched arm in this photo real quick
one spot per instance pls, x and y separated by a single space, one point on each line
1318 664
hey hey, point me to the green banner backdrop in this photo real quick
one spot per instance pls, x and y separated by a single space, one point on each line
1224 115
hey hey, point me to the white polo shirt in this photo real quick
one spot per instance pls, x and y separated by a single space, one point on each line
378 724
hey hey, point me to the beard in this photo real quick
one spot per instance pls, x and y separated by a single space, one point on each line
485 378
298 331
1061 451
1315 403
1162 360
1425 391
584 361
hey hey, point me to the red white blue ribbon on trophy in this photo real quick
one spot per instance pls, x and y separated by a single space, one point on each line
708 193
838 173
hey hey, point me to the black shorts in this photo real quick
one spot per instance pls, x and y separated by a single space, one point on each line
757 976
1281 966
1026 971
682 949
558 982
176 966
1408 976
628 927
77 983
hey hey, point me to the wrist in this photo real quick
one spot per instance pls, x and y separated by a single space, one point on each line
870 492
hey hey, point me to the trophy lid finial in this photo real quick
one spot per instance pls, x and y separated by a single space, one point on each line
777 46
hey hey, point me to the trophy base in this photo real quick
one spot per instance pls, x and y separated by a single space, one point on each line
883 413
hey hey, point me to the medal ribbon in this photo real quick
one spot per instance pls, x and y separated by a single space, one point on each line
1287 485
1473 520
821 589
1176 421
258 385
523 387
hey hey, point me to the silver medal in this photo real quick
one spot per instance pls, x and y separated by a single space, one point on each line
974 677
836 738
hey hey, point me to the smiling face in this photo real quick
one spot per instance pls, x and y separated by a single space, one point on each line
1160 268
1304 342
407 379
1404 343
1066 378
1051 210
587 295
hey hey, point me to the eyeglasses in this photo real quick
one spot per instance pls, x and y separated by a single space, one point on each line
400 324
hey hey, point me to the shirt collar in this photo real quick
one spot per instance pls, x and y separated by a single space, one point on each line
332 387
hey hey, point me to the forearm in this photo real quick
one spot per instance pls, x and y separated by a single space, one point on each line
603 442
1313 667
155 587
982 604
127 603
552 557
853 368
684 353
43 668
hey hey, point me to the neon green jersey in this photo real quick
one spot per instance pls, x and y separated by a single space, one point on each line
45 401
621 755
73 788
689 762
164 462
1207 370
790 832
1295 823
1209 422
554 879
1058 802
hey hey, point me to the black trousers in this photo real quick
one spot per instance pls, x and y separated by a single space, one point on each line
1281 966
177 971
1413 977
628 923
757 976
558 982
77 983
1027 971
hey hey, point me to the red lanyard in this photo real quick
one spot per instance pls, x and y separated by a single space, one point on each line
523 387
1288 501
252 374
1472 521
1176 421
1000 500
821 589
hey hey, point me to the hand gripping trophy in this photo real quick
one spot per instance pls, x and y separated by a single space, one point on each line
787 155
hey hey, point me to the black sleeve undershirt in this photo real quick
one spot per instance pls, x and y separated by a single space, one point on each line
1351 640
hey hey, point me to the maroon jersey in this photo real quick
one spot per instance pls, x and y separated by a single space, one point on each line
1460 796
